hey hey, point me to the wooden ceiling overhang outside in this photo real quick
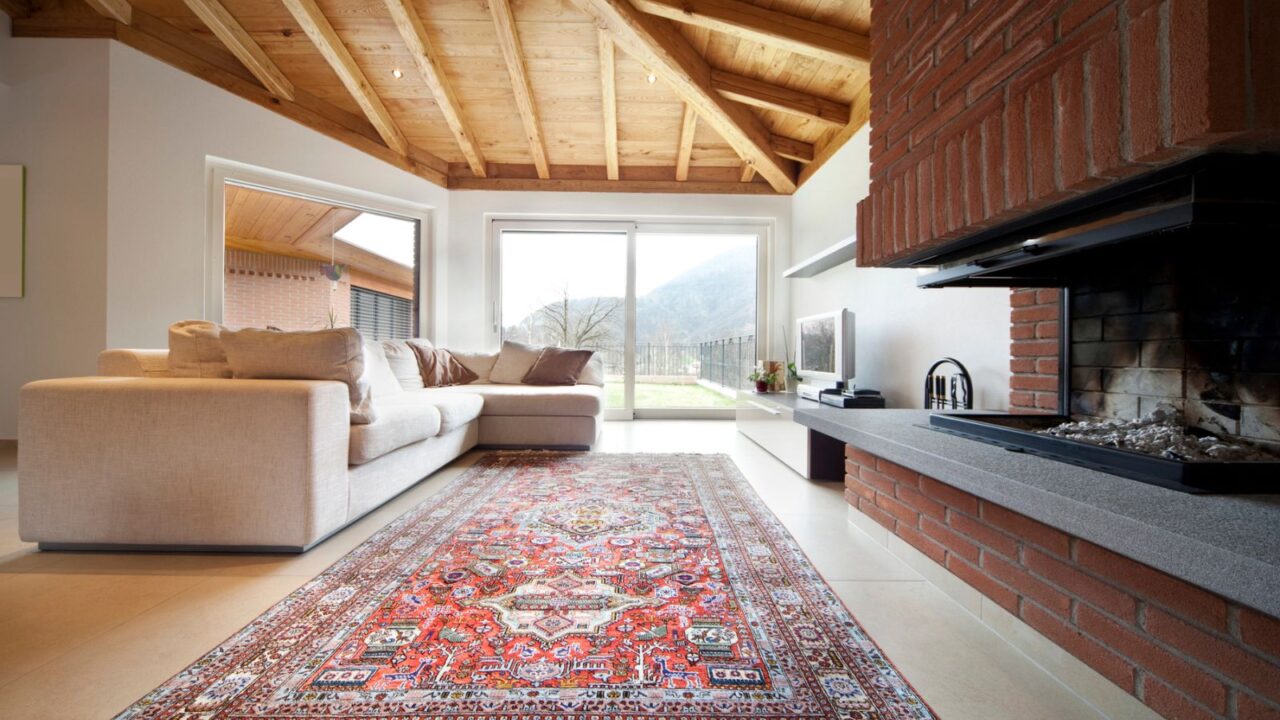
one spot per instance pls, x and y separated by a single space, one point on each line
727 96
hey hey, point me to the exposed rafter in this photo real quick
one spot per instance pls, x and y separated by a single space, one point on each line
792 149
326 40
237 40
609 101
328 224
428 63
748 172
118 10
769 27
15 8
513 54
662 49
775 97
688 126
859 111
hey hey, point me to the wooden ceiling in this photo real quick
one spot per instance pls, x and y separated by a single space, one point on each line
278 224
626 95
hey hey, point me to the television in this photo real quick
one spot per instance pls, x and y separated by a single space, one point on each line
824 347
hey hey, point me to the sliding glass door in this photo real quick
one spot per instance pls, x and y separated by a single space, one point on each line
672 310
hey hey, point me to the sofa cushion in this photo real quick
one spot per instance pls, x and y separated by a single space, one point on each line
480 363
440 368
514 362
336 354
382 381
398 423
403 362
195 350
593 373
457 407
535 400
558 366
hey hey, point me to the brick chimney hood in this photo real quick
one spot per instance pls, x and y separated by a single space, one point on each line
987 113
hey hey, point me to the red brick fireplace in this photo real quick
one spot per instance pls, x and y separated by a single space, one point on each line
984 113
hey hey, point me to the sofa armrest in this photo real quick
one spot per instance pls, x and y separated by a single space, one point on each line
182 462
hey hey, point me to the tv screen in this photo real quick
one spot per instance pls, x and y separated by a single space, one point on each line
818 345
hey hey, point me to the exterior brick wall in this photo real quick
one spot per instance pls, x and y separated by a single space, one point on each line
1186 653
263 290
1034 349
982 111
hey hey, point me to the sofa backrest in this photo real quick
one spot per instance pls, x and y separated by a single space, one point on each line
125 362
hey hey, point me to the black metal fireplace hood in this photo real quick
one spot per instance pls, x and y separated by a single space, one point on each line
1228 193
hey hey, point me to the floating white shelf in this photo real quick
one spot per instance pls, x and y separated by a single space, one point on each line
841 252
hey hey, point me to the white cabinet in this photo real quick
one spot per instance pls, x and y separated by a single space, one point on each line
768 419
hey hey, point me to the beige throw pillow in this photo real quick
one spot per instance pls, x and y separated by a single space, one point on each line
336 354
195 350
382 382
593 373
404 363
479 363
558 366
514 362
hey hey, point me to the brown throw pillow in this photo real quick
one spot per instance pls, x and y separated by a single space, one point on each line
558 366
439 367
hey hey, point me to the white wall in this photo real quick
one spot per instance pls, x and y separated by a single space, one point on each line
164 123
465 297
901 330
54 89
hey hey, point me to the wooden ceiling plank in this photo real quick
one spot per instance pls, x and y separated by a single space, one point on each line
118 10
428 63
513 55
662 49
758 93
688 126
609 101
603 185
236 39
792 149
328 224
326 40
745 21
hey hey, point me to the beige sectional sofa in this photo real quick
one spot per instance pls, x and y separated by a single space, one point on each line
134 458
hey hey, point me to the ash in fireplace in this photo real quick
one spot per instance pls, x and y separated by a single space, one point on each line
1163 433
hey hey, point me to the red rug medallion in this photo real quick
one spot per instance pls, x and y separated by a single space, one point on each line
551 586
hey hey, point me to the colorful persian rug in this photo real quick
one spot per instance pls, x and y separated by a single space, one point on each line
548 586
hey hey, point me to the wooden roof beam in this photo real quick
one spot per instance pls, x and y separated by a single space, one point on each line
513 54
15 8
118 10
768 27
662 49
326 226
326 40
801 152
428 63
758 93
859 111
609 100
688 126
236 39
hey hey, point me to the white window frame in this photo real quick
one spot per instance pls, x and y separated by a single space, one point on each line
221 172
763 228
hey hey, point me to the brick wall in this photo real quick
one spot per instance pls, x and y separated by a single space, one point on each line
1184 652
1034 349
983 111
263 290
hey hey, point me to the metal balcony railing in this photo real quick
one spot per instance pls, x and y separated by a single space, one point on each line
724 361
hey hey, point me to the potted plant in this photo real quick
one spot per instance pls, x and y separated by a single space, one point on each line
763 380
792 374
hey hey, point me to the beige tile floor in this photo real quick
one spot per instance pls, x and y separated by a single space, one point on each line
82 635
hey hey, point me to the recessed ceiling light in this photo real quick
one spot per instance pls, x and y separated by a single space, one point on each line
397 73
651 77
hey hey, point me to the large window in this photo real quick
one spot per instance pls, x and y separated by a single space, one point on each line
672 310
295 262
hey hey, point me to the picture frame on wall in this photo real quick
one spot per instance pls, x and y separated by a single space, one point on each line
12 230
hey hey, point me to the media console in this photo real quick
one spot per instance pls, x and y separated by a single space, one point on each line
769 420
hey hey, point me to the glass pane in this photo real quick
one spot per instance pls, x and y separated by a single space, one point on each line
695 319
568 290
295 263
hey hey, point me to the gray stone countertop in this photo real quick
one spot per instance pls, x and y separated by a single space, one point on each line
1229 544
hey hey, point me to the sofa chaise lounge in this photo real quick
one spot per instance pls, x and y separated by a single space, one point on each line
135 459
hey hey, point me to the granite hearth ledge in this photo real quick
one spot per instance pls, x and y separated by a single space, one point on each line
1228 544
